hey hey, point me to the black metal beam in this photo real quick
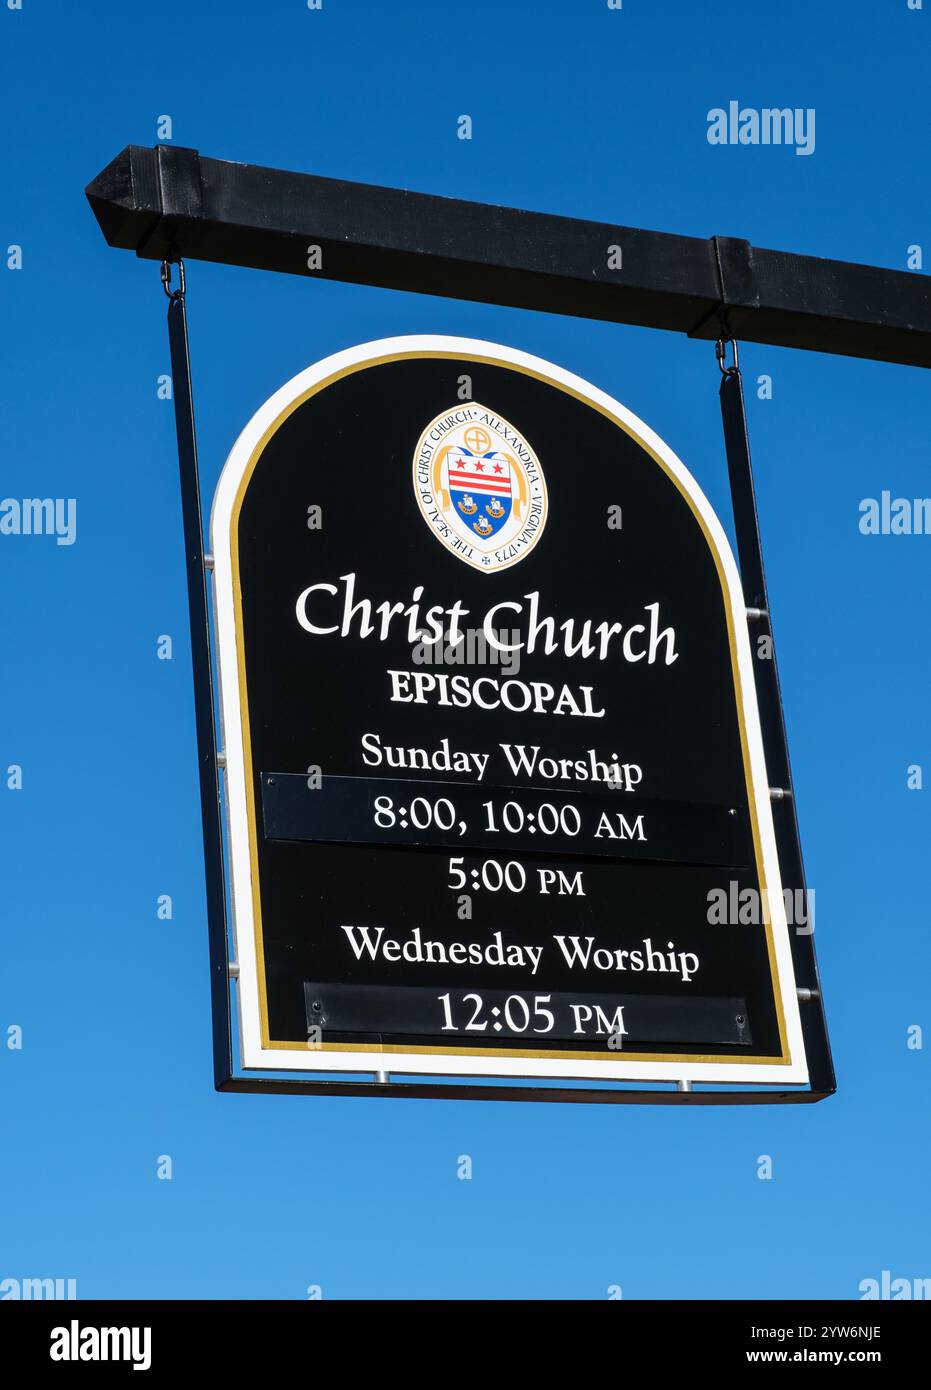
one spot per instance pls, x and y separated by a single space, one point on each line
170 202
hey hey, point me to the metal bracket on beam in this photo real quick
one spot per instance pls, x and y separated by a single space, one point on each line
733 268
181 197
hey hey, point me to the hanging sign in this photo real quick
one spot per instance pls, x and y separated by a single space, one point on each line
497 802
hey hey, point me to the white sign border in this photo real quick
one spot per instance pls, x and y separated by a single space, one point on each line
615 1067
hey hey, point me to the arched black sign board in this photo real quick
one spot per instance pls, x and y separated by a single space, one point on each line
496 790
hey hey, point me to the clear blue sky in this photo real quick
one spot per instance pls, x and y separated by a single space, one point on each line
578 110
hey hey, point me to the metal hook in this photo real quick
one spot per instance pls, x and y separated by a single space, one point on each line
166 279
720 349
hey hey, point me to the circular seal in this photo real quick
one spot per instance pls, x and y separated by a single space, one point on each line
480 487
